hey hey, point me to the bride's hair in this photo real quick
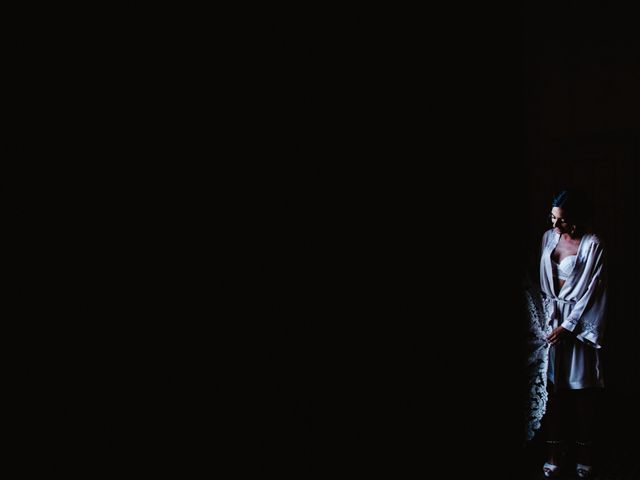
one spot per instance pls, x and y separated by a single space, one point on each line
576 204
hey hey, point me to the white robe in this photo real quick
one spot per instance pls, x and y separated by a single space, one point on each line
579 307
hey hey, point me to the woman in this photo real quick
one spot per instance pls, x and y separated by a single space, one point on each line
573 286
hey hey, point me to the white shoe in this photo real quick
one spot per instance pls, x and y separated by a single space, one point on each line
550 470
583 471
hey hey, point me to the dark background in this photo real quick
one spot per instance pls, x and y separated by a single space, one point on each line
582 129
435 147
396 169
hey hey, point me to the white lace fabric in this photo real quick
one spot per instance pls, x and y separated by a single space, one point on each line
537 360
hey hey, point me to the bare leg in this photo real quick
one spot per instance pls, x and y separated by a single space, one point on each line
586 408
555 426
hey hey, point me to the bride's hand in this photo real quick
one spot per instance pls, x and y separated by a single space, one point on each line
557 335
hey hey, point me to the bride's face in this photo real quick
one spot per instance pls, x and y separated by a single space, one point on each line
558 221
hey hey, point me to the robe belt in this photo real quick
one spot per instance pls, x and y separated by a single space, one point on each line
556 301
563 301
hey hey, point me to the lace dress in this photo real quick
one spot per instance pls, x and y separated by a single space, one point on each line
537 359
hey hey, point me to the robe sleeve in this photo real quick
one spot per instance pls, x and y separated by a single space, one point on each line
586 319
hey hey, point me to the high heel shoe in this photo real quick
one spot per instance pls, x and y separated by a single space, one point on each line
549 469
583 471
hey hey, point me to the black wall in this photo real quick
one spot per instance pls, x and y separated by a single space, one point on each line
583 130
